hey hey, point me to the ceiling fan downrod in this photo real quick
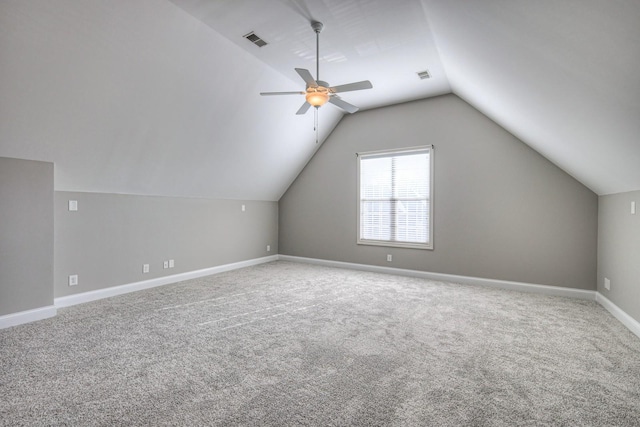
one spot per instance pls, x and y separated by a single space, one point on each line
317 27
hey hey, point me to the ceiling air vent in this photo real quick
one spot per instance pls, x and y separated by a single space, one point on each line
255 39
424 75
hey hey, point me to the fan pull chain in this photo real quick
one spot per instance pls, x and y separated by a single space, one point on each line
315 122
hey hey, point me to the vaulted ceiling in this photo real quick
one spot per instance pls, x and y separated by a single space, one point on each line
162 97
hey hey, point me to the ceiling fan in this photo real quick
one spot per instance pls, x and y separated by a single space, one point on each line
319 92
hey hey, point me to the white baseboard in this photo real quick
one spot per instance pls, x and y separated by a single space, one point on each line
502 284
15 319
628 321
27 316
632 324
152 283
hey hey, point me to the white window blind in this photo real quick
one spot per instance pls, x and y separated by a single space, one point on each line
394 193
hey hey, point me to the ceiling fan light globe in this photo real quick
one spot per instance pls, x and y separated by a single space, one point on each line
317 99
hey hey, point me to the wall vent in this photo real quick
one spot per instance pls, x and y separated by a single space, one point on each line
253 38
424 75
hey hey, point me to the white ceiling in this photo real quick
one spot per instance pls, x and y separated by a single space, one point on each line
386 42
560 75
162 97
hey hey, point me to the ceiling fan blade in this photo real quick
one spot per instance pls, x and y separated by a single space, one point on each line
304 108
281 93
365 84
349 108
307 77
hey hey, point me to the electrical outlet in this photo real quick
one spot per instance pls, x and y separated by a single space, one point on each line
389 257
633 208
268 248
73 280
166 264
73 205
172 263
607 284
243 208
145 268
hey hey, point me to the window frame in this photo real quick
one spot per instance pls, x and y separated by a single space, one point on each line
430 198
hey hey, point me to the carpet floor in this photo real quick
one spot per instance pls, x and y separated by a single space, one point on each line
287 344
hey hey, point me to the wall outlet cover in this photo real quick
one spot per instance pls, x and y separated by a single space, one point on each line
73 280
172 263
145 268
166 264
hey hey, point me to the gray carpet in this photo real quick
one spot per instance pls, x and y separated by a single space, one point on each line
293 344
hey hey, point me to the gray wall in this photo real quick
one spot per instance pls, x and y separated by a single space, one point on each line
619 250
26 235
111 236
502 211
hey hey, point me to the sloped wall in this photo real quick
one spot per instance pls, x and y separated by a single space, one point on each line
139 97
502 211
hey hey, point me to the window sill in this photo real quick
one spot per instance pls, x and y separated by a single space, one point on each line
408 245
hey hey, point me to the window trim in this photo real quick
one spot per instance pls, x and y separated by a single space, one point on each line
389 153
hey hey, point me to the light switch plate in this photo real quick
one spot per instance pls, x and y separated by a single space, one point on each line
73 205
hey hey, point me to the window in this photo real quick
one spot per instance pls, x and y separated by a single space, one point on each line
395 207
